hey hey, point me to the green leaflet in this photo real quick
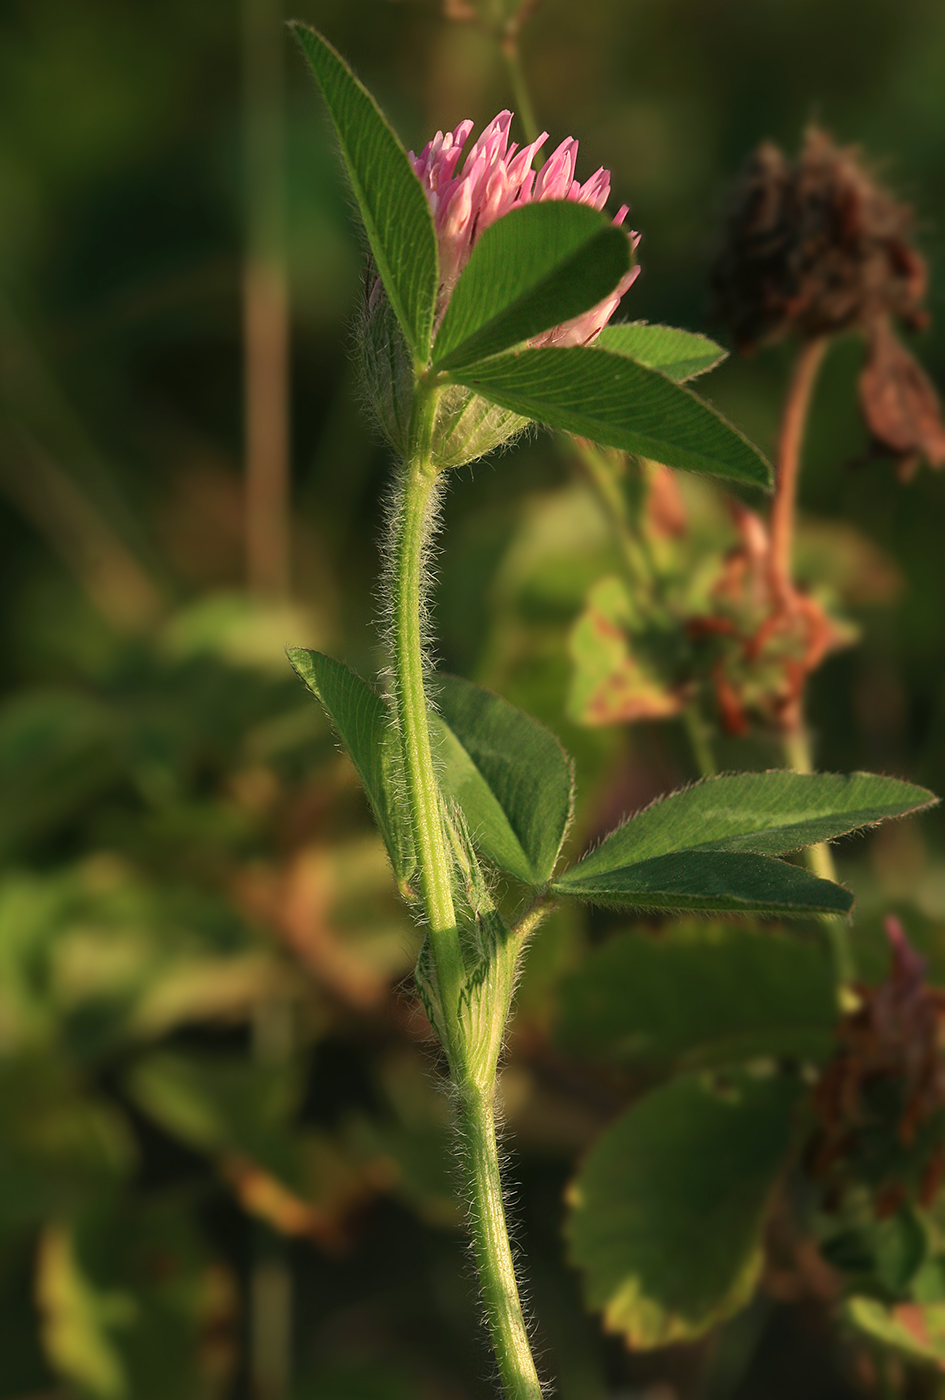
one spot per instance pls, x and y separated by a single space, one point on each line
679 999
618 403
365 727
769 813
714 881
509 774
535 268
668 1207
678 354
390 198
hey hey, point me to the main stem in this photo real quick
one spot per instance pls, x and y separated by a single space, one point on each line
475 1088
412 526
490 1237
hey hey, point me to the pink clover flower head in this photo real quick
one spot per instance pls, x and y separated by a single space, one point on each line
495 177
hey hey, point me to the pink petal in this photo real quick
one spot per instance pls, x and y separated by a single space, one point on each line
555 176
520 167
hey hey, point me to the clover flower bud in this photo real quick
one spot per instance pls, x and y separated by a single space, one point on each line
495 177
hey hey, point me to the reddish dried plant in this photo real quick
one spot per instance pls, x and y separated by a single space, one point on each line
769 634
881 1100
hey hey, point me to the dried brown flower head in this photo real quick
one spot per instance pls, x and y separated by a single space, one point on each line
815 246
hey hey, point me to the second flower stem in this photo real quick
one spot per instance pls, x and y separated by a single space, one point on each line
790 445
797 748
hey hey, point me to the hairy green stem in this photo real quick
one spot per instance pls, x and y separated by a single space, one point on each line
493 1252
473 1072
413 522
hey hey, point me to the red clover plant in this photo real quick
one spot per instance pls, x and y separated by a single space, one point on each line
487 308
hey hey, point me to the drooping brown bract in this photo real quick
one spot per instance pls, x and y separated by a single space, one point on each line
899 402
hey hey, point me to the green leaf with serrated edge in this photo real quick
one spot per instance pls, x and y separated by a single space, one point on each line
509 775
617 403
680 998
916 1330
668 1209
767 813
730 882
535 268
390 197
677 354
365 726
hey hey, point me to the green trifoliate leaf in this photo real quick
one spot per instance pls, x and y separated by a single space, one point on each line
535 268
713 881
617 403
509 775
390 198
678 354
680 998
365 726
768 813
668 1209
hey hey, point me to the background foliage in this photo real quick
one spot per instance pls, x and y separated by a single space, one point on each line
218 1104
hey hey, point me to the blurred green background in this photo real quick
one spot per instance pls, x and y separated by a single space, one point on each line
223 1160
